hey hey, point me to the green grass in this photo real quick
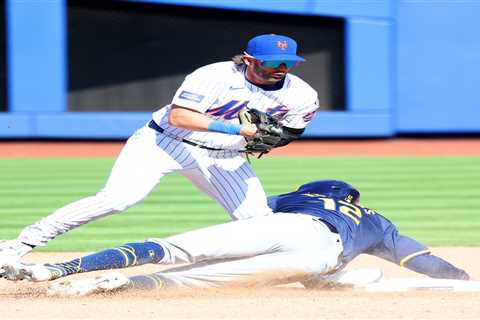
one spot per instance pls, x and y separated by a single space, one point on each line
434 199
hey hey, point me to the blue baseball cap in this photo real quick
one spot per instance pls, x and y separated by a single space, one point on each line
336 189
273 47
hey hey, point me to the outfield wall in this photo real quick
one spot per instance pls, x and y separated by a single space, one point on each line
410 67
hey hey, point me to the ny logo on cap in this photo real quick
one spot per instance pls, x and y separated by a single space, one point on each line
283 45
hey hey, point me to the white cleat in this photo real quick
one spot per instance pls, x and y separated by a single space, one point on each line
108 282
10 252
4 261
32 272
11 271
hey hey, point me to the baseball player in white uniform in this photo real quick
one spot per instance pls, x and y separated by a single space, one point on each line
199 136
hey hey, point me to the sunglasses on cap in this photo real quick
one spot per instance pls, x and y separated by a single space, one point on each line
276 63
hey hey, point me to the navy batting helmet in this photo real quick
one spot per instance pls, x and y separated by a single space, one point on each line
333 189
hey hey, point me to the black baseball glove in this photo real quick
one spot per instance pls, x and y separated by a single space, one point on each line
269 131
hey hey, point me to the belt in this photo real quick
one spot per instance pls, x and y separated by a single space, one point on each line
330 226
152 124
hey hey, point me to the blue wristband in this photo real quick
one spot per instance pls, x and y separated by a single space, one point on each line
224 127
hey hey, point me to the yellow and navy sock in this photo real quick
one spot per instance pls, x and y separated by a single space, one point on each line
130 254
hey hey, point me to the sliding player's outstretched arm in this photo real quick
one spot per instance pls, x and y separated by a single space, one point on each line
409 253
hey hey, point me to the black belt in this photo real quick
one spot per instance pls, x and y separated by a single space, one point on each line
152 124
330 226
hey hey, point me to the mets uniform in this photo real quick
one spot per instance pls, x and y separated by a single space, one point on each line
212 161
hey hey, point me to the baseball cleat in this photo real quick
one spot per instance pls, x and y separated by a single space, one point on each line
76 288
11 271
5 262
10 252
32 272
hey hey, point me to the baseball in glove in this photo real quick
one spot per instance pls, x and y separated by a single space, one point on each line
269 131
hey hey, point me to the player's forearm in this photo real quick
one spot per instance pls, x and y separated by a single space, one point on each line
188 119
192 120
435 267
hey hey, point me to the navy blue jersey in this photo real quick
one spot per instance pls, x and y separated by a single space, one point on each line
362 230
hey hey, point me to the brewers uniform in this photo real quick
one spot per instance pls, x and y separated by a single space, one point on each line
212 161
310 233
315 230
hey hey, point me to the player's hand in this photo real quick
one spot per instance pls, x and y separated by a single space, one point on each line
248 130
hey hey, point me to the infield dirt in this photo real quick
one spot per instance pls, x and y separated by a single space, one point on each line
26 301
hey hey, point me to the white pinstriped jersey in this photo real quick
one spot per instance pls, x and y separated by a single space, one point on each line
220 91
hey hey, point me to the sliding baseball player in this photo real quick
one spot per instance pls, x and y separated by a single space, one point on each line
315 232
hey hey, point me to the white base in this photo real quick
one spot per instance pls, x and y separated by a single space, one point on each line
421 284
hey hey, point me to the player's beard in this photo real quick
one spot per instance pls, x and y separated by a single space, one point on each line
265 76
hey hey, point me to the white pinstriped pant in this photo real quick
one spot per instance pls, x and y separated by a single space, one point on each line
276 246
147 156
